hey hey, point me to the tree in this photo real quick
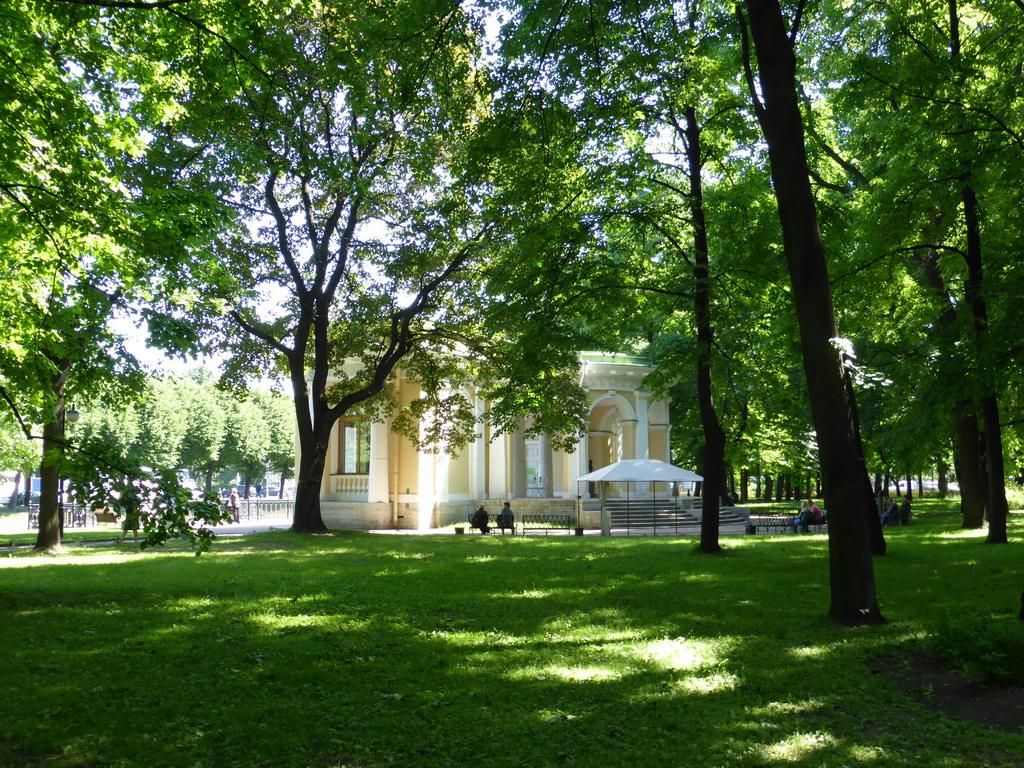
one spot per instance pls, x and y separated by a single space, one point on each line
363 150
68 247
206 425
280 420
943 141
17 454
844 475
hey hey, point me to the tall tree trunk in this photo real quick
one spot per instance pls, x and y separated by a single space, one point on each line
967 445
714 437
49 536
833 409
998 509
306 515
969 464
50 504
314 431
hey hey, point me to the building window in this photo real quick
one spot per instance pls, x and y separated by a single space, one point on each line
354 451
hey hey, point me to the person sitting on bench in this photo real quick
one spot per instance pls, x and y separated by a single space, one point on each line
507 518
480 520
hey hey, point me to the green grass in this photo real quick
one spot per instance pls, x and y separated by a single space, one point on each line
362 650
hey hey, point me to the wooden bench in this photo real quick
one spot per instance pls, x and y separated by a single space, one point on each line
104 516
546 523
494 523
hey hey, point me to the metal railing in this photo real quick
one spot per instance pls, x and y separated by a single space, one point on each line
264 509
78 516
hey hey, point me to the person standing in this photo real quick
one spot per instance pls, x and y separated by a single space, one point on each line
234 505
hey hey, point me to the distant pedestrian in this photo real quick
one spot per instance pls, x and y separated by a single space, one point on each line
233 505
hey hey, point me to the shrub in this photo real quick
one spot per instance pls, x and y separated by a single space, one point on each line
981 644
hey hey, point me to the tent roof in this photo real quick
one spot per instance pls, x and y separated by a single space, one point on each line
640 471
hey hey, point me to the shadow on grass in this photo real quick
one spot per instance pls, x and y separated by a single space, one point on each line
354 650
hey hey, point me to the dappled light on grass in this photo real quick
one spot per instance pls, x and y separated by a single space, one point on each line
579 674
799 747
810 651
681 653
433 651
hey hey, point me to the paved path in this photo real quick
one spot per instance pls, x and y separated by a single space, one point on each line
283 524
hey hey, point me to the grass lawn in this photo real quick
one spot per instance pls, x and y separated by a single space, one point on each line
362 650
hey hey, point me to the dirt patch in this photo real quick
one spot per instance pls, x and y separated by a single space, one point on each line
931 684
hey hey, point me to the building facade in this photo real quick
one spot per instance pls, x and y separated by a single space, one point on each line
376 479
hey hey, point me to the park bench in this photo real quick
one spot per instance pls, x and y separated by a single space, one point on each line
775 523
494 523
104 516
546 523
770 524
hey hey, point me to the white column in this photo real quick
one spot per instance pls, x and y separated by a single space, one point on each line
426 485
518 457
643 445
378 481
578 467
331 460
497 469
546 467
478 457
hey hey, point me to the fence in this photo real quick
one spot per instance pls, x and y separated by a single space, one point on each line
264 509
78 516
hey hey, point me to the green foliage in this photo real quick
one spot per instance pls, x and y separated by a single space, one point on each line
152 502
981 644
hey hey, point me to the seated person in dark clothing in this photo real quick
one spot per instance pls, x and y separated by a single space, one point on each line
480 520
890 513
506 518
905 512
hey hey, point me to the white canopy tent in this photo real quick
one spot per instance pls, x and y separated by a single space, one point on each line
634 471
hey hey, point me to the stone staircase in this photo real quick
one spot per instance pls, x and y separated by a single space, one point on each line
663 513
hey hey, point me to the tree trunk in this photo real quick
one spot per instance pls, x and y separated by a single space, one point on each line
833 409
306 516
13 501
998 508
714 437
49 536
